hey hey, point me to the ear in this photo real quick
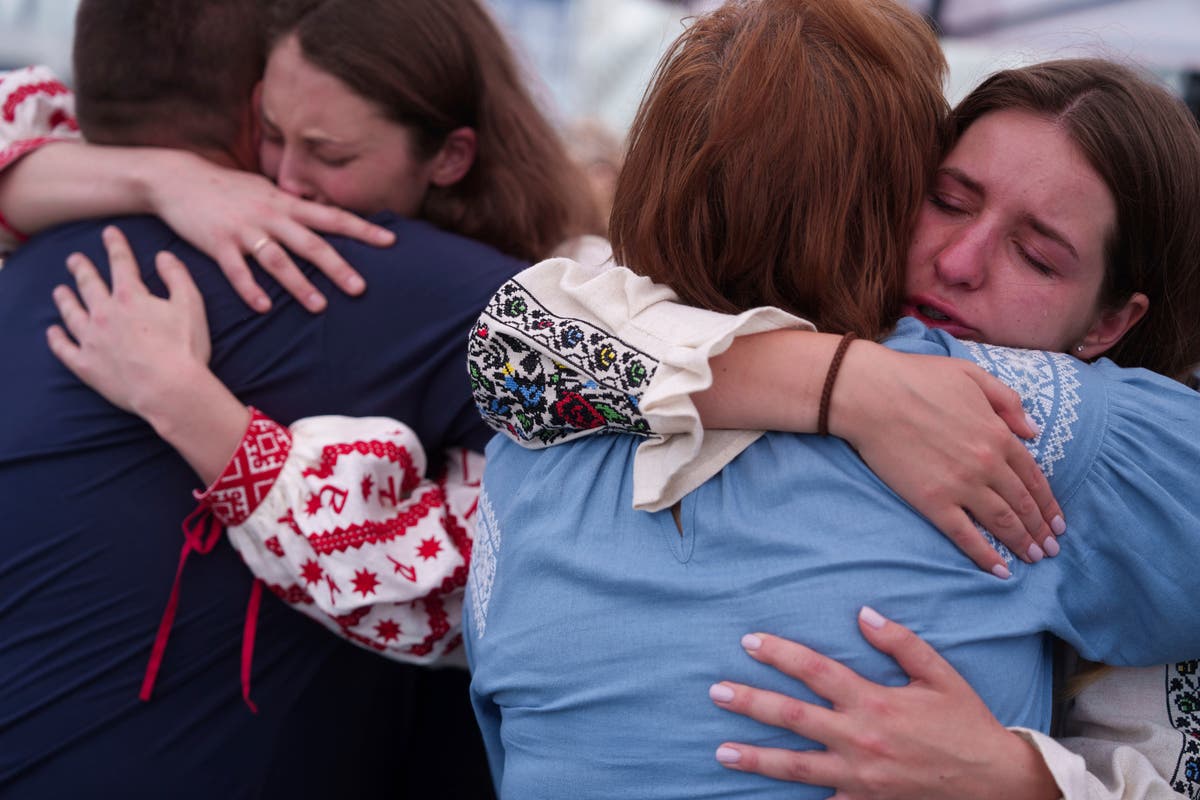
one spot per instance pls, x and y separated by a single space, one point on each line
1111 325
454 159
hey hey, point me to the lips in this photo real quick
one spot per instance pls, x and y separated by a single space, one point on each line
937 315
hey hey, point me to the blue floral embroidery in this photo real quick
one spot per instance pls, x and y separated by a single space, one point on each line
546 379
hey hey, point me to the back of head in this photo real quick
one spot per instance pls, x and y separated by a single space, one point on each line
167 72
780 157
438 65
1145 146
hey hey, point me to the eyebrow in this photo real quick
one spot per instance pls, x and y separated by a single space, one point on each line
1040 226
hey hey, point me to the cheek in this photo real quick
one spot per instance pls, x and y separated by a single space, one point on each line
269 154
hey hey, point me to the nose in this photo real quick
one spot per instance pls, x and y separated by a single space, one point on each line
292 176
961 261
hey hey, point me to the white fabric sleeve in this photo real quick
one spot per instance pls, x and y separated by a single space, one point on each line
566 350
1133 734
35 109
337 518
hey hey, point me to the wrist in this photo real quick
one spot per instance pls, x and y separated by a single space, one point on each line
151 177
849 416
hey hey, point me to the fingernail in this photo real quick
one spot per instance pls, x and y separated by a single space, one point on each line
1002 572
751 642
720 693
355 285
74 259
386 237
872 617
315 301
1051 547
1037 430
727 755
1058 525
1035 553
261 303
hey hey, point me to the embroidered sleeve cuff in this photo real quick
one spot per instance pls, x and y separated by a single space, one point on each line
251 472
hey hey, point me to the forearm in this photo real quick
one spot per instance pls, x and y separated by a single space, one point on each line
749 390
64 181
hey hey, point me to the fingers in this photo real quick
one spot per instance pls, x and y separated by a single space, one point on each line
180 286
273 258
825 676
956 525
65 350
1007 404
805 766
73 314
237 272
330 219
779 711
123 267
311 247
914 655
92 289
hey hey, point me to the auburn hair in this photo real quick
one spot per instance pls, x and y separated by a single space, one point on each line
1145 145
780 157
438 65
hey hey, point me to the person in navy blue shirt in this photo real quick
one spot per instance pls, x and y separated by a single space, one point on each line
92 502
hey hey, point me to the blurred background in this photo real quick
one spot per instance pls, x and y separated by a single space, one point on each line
591 59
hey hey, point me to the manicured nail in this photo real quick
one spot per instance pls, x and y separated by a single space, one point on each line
1058 525
1002 572
872 617
720 693
1037 430
355 284
751 642
1035 553
1051 547
727 755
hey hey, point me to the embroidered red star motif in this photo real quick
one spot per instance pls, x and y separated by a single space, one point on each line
365 582
429 548
388 630
311 571
313 505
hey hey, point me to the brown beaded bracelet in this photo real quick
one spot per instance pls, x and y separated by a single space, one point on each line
830 378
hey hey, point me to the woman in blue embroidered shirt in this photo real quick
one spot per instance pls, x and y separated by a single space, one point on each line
612 585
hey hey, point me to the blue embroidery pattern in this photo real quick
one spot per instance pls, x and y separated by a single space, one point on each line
484 552
1049 391
1183 706
561 380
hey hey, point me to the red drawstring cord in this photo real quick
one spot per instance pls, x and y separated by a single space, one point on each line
195 538
248 632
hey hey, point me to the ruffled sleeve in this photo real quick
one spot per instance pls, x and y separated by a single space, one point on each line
337 518
565 350
35 109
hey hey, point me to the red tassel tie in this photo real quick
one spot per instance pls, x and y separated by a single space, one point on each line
249 630
197 539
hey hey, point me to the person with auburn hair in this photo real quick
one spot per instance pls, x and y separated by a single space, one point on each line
998 255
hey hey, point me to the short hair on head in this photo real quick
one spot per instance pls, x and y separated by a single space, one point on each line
781 156
169 72
438 65
1145 145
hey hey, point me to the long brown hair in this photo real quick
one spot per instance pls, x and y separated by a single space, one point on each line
1144 144
780 158
438 65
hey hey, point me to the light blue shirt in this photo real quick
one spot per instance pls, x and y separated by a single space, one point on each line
594 631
